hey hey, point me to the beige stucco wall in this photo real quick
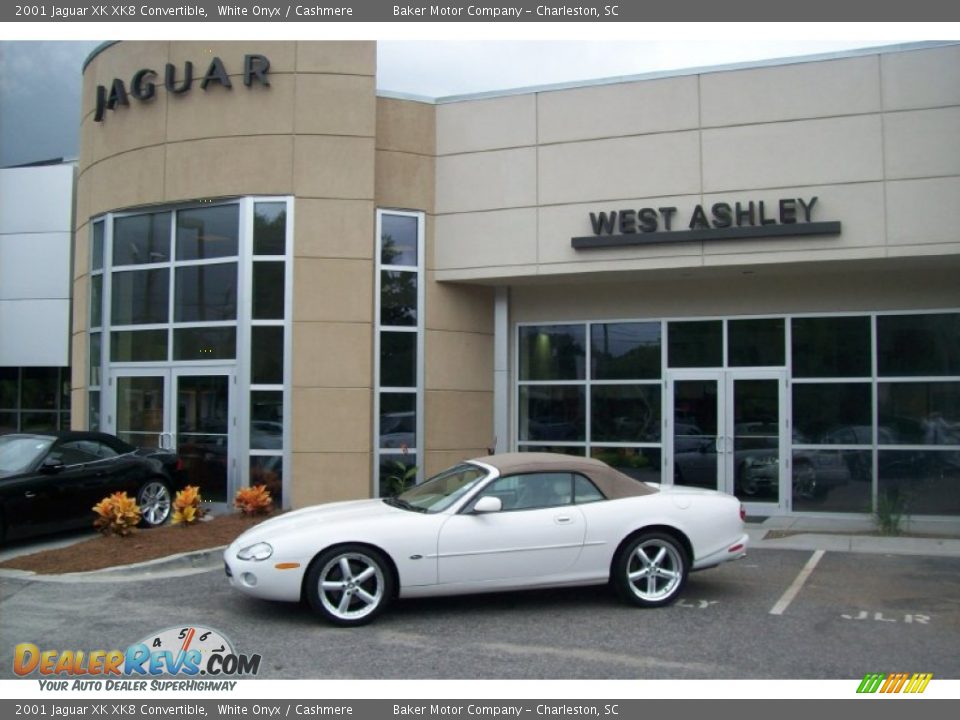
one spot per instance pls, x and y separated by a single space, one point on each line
310 134
872 136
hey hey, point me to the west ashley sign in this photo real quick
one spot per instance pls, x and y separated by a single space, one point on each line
721 221
143 84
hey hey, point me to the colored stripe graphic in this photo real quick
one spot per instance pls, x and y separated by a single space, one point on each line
894 682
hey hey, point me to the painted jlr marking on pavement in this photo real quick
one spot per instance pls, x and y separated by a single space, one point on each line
784 602
698 604
878 617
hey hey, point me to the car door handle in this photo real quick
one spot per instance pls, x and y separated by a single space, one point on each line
29 494
563 519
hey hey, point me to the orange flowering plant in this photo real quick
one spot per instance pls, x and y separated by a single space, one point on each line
117 514
186 506
255 500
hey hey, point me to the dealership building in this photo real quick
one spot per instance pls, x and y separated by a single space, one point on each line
743 278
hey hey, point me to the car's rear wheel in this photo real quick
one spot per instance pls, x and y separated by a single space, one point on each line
349 585
154 501
650 570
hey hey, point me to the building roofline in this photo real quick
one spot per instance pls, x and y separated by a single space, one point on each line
681 72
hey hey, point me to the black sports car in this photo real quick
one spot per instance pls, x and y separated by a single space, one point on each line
50 481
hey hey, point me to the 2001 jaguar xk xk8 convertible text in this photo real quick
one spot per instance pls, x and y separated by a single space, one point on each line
504 522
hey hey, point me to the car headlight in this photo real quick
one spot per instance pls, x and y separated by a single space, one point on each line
260 551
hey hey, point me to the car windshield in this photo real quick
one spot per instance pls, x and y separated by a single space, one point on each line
441 491
17 453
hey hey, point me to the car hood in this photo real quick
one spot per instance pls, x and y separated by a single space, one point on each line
329 514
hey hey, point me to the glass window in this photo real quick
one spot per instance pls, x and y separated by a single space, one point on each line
920 482
40 388
269 228
552 352
398 420
138 346
398 235
532 491
93 411
266 355
205 343
398 472
625 351
96 301
831 347
918 413
268 471
625 413
140 297
95 358
8 422
38 422
832 413
909 345
556 449
398 359
642 464
141 239
398 297
96 246
832 480
268 290
756 343
266 420
552 413
206 293
584 491
208 232
696 343
9 388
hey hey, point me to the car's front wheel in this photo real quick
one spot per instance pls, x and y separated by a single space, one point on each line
650 570
349 585
154 501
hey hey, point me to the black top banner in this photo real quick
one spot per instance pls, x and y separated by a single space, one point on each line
489 11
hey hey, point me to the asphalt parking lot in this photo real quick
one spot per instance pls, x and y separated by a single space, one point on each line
788 614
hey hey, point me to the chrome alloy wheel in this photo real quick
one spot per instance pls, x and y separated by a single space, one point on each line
351 586
655 570
154 502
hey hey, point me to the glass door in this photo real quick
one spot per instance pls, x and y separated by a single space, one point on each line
202 430
185 410
696 433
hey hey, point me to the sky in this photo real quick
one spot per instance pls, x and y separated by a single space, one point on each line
40 80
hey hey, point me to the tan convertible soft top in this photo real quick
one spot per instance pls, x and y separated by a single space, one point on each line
612 483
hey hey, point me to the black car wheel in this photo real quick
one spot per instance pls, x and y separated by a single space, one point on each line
650 570
349 585
155 503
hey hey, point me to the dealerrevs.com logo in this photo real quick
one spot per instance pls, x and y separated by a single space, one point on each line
894 683
180 652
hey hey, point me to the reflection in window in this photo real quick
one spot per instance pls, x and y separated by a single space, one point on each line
919 482
398 420
832 413
911 345
695 344
268 290
642 464
832 480
266 355
398 359
552 352
205 343
918 413
398 298
96 300
398 240
141 239
266 420
831 347
138 346
209 232
140 297
398 471
267 470
756 343
625 351
625 413
552 413
96 246
206 293
269 228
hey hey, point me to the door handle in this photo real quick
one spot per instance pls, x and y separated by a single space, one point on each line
29 494
563 519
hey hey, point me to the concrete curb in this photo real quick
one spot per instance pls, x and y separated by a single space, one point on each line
179 565
936 547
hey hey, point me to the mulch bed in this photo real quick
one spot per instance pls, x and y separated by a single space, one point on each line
108 551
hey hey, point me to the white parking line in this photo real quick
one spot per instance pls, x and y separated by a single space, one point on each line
784 602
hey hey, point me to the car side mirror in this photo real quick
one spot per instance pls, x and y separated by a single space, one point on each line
488 504
51 465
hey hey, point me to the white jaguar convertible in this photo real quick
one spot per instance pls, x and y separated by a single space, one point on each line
503 522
